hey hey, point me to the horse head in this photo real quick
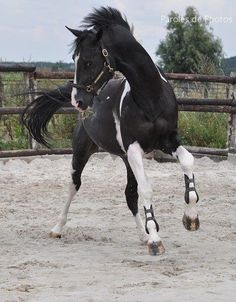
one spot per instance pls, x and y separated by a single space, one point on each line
92 67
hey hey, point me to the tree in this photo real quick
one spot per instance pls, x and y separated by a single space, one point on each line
188 40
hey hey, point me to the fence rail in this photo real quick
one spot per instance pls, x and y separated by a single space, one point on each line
28 152
198 105
31 76
4 67
201 78
19 110
70 75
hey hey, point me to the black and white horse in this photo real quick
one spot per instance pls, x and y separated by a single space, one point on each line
130 116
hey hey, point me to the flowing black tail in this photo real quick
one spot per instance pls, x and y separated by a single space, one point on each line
38 113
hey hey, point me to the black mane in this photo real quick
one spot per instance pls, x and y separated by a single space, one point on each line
105 17
99 19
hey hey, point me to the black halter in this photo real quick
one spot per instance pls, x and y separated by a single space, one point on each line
104 75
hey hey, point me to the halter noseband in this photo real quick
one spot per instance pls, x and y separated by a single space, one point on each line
104 75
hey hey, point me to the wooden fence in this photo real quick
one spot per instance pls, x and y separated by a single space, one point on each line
184 104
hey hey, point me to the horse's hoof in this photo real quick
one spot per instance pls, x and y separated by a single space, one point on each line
156 248
191 224
54 235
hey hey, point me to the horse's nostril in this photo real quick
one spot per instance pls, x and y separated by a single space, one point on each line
79 103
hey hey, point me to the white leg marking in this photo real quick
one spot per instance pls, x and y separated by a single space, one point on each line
191 210
187 161
135 158
135 154
74 90
62 219
139 223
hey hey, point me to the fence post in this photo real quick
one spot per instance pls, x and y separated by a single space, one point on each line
232 126
1 91
31 87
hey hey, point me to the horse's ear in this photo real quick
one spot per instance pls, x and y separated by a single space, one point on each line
75 32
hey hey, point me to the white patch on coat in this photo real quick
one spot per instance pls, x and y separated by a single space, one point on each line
126 89
116 118
74 90
118 131
164 79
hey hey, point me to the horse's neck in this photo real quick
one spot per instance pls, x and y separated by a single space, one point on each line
144 79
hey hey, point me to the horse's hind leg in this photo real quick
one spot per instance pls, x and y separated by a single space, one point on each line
82 150
171 145
131 193
186 159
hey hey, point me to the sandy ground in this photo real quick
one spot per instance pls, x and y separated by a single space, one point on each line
99 257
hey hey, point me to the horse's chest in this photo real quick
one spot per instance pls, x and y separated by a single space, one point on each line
102 129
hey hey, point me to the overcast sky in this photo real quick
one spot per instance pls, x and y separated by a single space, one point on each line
33 30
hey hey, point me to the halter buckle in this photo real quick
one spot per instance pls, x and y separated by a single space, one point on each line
105 52
110 69
89 88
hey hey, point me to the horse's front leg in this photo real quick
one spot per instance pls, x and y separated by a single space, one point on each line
82 150
131 193
135 159
190 218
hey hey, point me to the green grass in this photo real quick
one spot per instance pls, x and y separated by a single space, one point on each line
14 136
203 129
